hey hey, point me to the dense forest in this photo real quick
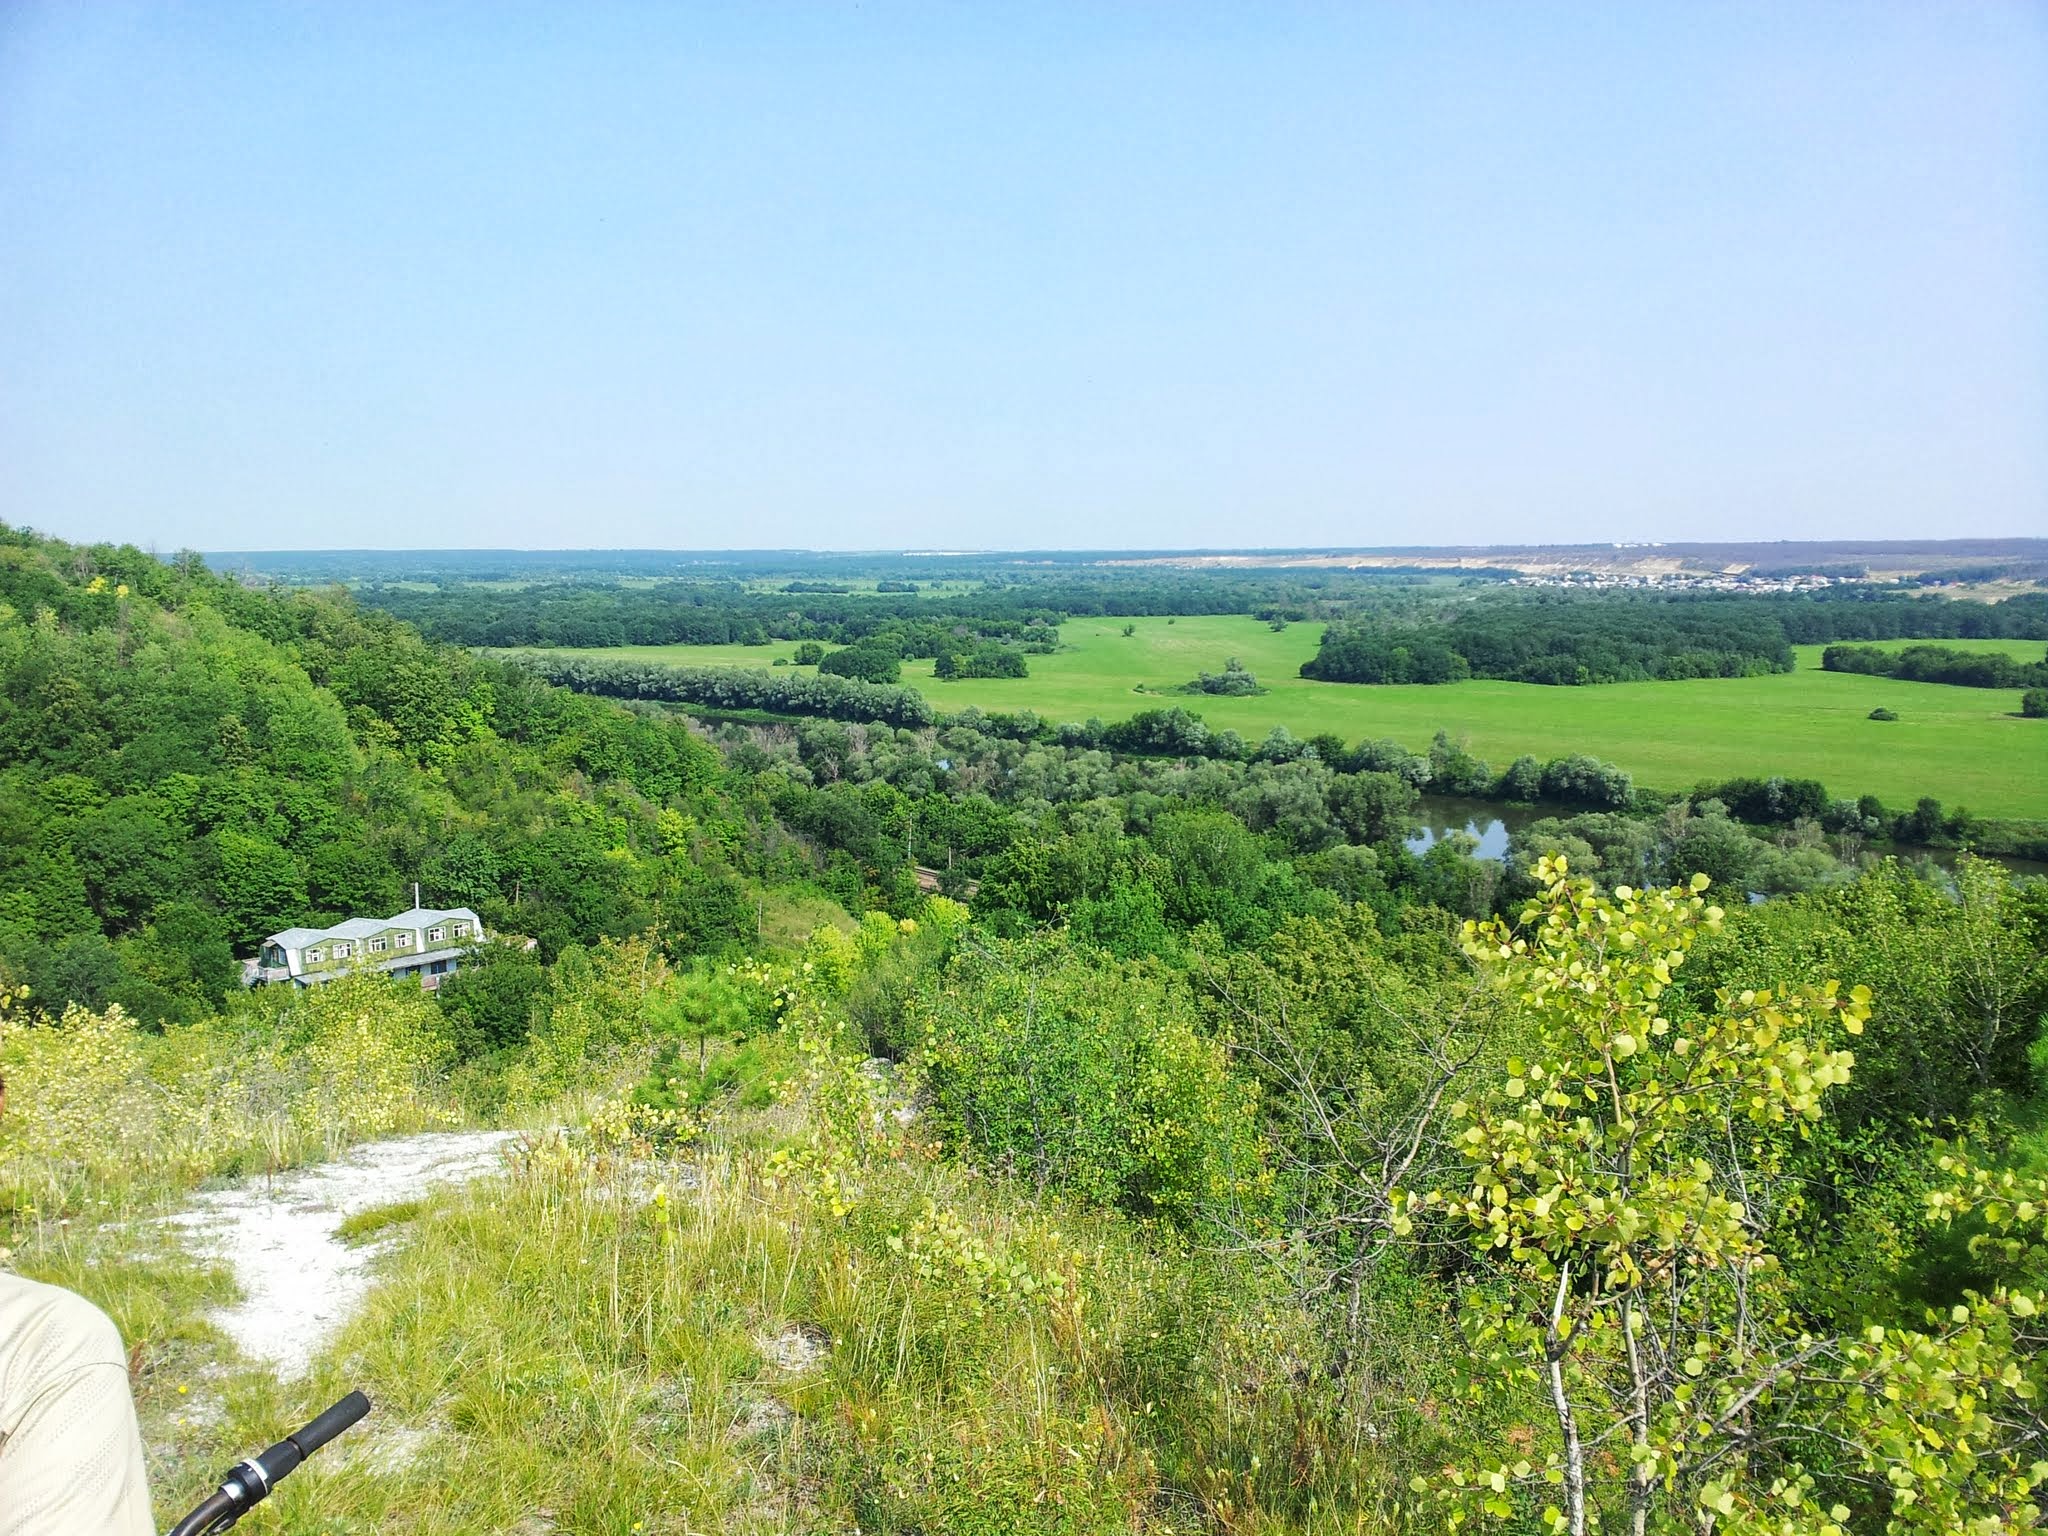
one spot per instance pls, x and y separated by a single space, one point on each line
1134 1129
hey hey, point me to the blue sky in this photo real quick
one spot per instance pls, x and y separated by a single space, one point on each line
984 275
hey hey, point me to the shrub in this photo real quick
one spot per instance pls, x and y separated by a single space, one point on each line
97 1104
2034 704
1583 780
492 1000
1523 780
1233 681
1088 1074
1881 713
605 1001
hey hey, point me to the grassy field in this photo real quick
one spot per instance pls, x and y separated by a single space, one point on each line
1965 746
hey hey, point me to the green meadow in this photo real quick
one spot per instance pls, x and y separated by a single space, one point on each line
1964 746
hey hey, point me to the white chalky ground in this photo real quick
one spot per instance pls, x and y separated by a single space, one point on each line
299 1280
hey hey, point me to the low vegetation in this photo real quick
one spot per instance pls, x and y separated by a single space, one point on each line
1341 1229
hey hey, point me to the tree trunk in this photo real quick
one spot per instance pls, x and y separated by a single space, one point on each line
1641 1472
1555 1348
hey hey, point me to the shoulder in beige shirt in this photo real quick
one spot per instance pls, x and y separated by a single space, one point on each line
70 1450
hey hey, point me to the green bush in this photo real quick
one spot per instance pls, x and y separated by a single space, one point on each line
1234 680
1089 1074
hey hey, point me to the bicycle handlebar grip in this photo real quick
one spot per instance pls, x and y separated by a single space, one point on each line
286 1456
250 1482
344 1415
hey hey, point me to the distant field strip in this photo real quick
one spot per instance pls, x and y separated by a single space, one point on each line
1964 746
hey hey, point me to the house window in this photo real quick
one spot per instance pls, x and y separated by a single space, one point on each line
461 930
341 951
377 944
434 935
315 956
405 941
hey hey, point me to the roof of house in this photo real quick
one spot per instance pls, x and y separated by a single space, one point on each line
420 917
363 927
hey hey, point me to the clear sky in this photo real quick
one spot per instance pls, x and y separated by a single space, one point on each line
1034 275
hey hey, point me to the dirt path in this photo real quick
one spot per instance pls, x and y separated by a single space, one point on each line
299 1281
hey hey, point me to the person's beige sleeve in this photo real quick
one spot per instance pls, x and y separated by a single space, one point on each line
70 1449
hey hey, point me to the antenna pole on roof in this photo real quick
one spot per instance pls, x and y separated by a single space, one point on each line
415 894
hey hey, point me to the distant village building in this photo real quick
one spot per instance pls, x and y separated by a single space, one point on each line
426 942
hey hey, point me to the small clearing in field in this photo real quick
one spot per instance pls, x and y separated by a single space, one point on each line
282 1236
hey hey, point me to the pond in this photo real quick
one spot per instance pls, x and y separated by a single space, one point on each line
1493 824
1438 816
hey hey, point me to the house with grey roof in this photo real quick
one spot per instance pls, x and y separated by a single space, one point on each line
425 942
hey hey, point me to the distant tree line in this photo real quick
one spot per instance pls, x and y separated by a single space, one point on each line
1937 664
2005 570
1540 636
1615 637
737 688
1877 613
588 613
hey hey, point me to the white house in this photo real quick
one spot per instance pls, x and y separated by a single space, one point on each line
426 942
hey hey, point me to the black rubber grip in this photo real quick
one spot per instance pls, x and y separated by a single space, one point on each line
250 1482
343 1415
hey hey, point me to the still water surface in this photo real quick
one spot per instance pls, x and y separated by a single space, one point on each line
1440 815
